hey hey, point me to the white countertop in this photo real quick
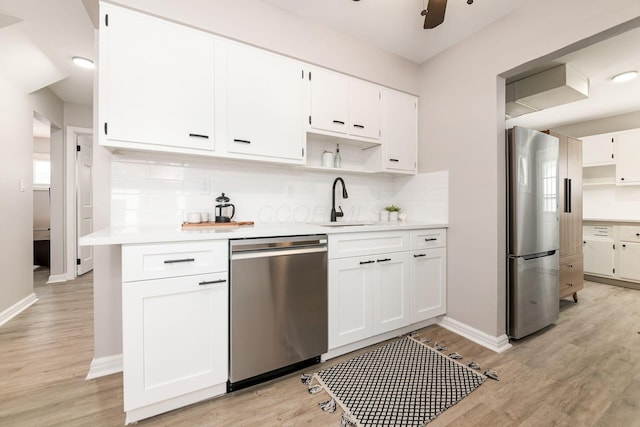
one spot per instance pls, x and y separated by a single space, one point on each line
610 220
156 234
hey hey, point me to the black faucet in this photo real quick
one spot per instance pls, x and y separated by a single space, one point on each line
335 214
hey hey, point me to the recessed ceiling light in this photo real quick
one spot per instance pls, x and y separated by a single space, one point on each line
83 62
624 77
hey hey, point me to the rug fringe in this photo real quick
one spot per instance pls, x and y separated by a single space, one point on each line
347 420
328 406
313 389
306 378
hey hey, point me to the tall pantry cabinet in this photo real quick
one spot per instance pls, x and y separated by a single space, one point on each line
570 213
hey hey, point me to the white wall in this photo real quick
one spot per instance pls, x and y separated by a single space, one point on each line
462 130
16 216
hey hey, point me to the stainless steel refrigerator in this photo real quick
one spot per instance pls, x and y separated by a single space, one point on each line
532 231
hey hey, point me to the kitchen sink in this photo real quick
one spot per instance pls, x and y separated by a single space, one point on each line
342 224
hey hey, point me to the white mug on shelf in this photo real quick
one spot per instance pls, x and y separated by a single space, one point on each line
384 216
204 216
327 159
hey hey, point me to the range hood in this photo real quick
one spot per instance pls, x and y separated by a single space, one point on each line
559 85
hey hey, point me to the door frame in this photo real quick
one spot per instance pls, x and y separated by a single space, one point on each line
70 198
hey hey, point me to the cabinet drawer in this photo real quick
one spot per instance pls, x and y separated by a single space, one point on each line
629 234
424 239
597 231
359 244
143 262
571 275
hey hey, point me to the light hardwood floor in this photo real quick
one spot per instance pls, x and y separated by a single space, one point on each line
583 371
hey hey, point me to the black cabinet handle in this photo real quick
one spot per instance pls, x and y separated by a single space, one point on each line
176 261
431 239
621 179
384 260
367 262
338 122
198 135
394 160
419 255
358 126
624 246
244 141
567 195
637 234
211 282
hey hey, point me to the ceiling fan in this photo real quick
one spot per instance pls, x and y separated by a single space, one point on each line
434 13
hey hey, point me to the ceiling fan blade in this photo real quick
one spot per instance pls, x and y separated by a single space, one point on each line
435 13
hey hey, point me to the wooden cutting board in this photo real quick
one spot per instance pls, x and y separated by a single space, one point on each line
201 225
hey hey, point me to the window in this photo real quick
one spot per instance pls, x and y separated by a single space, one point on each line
41 170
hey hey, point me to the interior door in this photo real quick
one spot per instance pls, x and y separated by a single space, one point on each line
84 195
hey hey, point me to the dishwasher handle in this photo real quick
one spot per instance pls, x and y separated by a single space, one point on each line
277 252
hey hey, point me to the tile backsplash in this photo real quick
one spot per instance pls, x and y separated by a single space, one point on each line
155 190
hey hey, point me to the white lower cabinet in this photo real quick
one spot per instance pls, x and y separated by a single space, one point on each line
598 256
383 291
428 280
629 261
175 338
367 296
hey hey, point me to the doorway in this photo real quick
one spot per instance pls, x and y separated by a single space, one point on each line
79 200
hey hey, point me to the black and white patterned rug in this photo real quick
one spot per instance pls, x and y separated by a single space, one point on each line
404 383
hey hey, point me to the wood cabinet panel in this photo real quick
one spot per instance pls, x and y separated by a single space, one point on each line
571 275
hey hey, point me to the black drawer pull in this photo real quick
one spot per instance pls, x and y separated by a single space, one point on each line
175 261
637 234
212 282
624 246
394 160
431 239
419 255
338 122
358 126
367 262
244 141
198 135
384 260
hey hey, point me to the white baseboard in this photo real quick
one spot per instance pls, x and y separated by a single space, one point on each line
104 366
497 344
57 278
17 308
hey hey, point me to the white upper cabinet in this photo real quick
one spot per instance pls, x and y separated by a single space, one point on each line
344 105
156 81
329 101
400 132
597 150
264 104
364 109
628 157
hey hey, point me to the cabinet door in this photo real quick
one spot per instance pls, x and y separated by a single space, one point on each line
598 257
597 150
628 158
158 81
428 284
400 131
629 261
350 300
175 337
329 101
391 298
570 195
264 104
364 109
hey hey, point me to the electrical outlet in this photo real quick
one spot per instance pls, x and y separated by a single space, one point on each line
22 185
206 187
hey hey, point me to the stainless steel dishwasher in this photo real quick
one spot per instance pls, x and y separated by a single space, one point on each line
278 307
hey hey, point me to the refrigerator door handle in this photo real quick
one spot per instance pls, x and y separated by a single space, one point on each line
539 255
